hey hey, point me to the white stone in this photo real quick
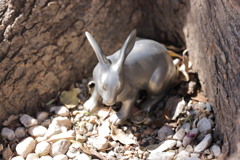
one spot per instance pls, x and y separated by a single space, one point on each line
46 158
17 158
104 130
179 109
189 148
46 122
60 157
183 155
83 156
8 133
89 126
168 144
186 127
204 125
161 156
164 132
179 134
215 149
37 131
25 147
58 125
62 111
42 116
203 144
74 150
193 158
43 148
28 121
20 132
194 155
100 143
32 156
60 147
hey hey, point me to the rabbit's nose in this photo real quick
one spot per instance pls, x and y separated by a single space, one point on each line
110 102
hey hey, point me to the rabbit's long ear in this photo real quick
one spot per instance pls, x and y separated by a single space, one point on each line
127 48
99 53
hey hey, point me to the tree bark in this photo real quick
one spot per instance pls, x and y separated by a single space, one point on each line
43 48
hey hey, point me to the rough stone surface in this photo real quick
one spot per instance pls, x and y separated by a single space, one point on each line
25 147
43 148
8 133
37 131
164 132
203 144
60 147
28 121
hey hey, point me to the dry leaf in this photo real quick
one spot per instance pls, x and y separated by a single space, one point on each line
118 134
173 54
69 98
200 98
7 153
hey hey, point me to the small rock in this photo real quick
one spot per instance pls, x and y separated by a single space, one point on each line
46 158
100 143
28 121
193 158
62 111
203 144
183 155
32 156
179 143
179 134
161 156
168 144
210 156
60 147
194 155
70 135
25 147
186 127
83 156
42 116
208 107
189 148
58 125
20 132
74 150
215 149
164 132
104 129
204 125
43 148
8 133
37 131
60 157
46 123
18 158
89 127
81 138
179 109
190 136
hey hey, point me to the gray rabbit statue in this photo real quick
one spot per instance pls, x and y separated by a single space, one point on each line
138 65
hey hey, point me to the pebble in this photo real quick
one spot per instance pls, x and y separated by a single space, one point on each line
46 158
46 122
190 136
25 147
58 125
60 157
179 134
20 132
59 147
32 156
74 150
42 116
203 144
161 156
179 109
8 133
89 127
193 158
215 149
189 148
179 143
168 144
37 131
83 156
62 111
204 125
43 148
18 158
81 138
194 155
28 121
183 155
164 133
100 143
104 129
186 127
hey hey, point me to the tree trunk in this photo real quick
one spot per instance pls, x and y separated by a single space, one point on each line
43 48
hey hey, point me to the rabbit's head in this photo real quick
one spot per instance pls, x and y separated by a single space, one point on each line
109 80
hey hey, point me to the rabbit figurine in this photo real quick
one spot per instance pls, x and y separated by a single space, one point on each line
138 65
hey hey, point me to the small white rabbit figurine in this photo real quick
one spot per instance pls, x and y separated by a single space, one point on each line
138 65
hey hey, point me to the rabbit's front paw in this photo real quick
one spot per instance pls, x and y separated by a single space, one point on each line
90 105
117 118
